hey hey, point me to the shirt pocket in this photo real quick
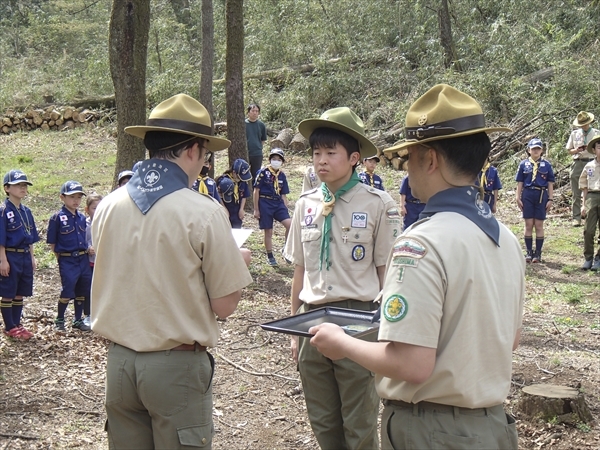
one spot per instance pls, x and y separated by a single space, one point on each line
311 247
13 226
67 229
543 173
357 252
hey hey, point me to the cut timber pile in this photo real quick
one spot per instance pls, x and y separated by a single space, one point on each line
550 401
50 118
283 139
299 143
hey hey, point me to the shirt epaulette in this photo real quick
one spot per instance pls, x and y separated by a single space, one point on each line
310 191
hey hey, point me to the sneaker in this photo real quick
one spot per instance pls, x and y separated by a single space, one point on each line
284 258
537 258
528 257
59 325
16 333
596 265
80 325
88 321
24 331
272 261
587 265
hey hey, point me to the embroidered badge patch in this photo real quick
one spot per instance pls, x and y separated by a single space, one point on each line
359 220
308 220
409 247
358 252
395 308
392 213
10 214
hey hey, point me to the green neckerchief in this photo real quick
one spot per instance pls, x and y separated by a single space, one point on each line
328 204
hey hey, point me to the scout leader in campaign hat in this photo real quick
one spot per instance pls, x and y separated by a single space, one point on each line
342 119
184 115
443 112
583 118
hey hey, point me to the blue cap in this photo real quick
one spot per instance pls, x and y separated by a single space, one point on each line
242 169
124 174
226 188
15 177
278 152
71 187
535 142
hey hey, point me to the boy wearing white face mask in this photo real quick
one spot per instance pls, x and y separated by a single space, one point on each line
270 200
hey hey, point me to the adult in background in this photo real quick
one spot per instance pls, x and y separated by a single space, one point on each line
256 135
577 148
448 324
159 282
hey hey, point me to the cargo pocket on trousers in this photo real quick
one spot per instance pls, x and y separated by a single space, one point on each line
114 376
199 436
511 433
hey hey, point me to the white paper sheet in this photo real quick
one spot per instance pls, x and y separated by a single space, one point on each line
241 235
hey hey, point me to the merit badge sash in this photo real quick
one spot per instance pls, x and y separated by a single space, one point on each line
467 202
154 179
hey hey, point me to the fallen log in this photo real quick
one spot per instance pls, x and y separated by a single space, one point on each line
283 139
299 143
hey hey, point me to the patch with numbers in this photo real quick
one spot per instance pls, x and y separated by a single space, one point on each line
409 247
395 308
359 220
358 253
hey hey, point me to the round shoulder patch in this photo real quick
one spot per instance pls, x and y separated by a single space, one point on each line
395 308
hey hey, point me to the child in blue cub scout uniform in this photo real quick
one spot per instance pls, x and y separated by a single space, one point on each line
368 176
17 263
270 200
489 182
535 189
205 184
235 180
67 239
410 206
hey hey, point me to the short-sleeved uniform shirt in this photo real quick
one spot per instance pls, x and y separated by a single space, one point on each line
256 134
178 256
17 227
439 292
364 225
211 187
270 203
590 176
492 183
371 179
310 180
577 138
66 230
544 174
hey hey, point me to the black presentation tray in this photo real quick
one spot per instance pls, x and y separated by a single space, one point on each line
356 323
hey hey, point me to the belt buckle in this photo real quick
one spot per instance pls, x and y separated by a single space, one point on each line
75 253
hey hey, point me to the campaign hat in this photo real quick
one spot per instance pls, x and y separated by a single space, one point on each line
184 115
443 112
16 176
590 146
342 119
583 118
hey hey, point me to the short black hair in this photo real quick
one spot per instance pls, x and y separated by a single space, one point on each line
168 145
328 137
466 154
252 105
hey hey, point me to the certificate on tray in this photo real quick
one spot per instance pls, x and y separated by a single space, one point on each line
354 322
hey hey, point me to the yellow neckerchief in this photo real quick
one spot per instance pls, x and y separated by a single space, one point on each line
236 190
535 168
371 178
202 184
483 179
275 173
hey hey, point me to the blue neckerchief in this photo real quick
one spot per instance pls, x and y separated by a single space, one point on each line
154 179
467 202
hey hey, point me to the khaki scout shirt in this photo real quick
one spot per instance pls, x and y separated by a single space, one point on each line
156 273
364 224
590 176
442 291
579 138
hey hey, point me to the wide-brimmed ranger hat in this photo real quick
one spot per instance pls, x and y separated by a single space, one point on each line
342 119
15 176
583 118
71 187
278 152
443 112
590 146
184 115
242 169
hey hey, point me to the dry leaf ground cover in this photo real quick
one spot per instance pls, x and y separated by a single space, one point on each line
52 387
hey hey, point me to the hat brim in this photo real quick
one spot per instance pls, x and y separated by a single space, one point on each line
213 144
391 151
576 123
29 183
74 192
590 146
366 147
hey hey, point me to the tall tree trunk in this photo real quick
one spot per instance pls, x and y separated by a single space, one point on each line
445 25
234 85
128 46
208 57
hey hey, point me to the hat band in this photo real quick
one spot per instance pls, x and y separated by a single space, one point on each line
445 128
182 125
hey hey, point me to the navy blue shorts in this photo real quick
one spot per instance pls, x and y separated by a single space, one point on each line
534 203
234 214
412 213
269 210
489 199
75 275
19 282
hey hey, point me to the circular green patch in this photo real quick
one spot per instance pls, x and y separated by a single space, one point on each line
395 308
